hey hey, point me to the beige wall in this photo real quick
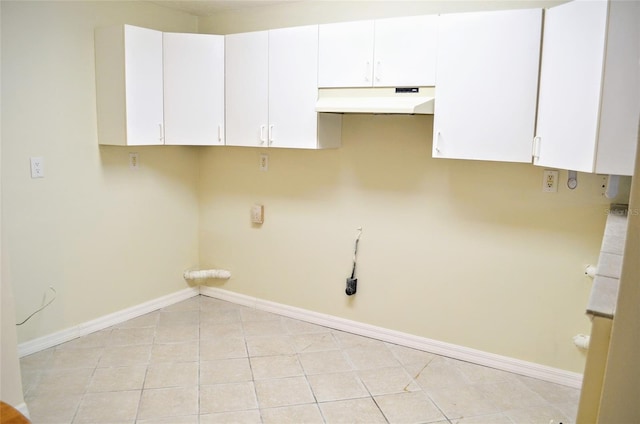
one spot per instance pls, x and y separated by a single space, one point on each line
309 12
10 381
471 253
104 236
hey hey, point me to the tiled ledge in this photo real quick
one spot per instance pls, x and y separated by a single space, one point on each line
604 294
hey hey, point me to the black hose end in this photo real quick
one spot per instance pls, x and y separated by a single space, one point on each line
351 286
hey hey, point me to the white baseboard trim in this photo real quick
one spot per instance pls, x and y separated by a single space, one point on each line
22 408
54 339
504 363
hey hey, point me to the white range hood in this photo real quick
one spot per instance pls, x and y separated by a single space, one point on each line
383 100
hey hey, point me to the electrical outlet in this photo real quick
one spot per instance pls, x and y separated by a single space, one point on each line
37 167
134 161
550 181
264 162
257 214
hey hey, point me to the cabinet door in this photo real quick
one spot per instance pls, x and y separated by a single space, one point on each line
588 109
143 86
346 54
405 51
293 82
246 88
193 89
486 85
570 81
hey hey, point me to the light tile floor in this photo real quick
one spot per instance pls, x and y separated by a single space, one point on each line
205 361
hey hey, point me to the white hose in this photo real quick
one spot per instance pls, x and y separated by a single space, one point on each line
206 274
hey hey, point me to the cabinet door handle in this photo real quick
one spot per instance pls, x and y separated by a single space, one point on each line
161 138
536 149
262 139
377 71
437 141
219 133
367 71
270 134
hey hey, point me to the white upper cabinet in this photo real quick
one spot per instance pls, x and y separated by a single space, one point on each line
346 54
247 88
271 89
154 88
589 91
382 53
293 78
129 86
486 85
193 89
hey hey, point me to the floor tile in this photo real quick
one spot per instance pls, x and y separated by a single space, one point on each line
348 340
369 357
492 419
216 316
315 342
225 371
189 419
172 374
354 411
414 407
439 373
283 392
131 336
511 395
37 361
308 414
539 414
268 367
75 358
209 361
294 326
108 407
337 386
270 345
227 398
324 362
222 349
248 314
53 407
220 331
407 356
478 374
176 334
463 401
121 356
172 318
553 393
117 379
171 402
382 381
175 352
238 417
71 381
263 328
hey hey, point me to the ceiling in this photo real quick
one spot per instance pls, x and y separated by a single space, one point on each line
210 7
